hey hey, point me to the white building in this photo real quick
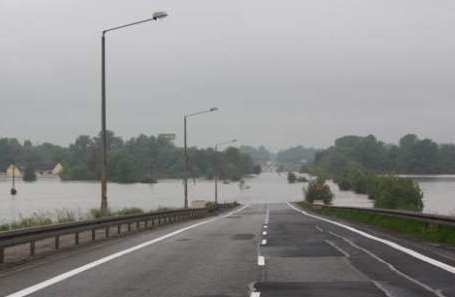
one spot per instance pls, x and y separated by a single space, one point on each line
12 169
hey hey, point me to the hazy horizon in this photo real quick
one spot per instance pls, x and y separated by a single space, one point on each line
283 73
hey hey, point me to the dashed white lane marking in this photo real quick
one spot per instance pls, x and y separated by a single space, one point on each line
71 273
265 226
255 294
267 215
346 254
264 242
386 242
319 228
261 260
264 233
390 266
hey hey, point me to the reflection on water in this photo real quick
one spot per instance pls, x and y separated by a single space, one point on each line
348 198
438 193
47 195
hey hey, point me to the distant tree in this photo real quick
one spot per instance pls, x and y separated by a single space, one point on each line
257 169
260 155
294 157
318 190
398 193
292 178
29 173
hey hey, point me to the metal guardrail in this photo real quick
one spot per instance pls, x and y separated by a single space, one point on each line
431 219
148 220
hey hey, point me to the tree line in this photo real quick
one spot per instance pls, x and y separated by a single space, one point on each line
410 156
138 159
368 166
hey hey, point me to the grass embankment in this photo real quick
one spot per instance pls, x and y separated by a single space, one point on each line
63 216
412 228
67 216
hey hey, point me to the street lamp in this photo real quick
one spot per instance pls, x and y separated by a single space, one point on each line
185 142
217 165
156 16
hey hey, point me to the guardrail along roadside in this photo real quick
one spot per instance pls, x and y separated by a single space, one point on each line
83 231
430 227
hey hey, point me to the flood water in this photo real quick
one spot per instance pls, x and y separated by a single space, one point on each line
438 194
49 195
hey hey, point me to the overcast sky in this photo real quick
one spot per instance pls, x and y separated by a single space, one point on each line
282 72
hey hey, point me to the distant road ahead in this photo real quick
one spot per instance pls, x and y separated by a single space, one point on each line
262 250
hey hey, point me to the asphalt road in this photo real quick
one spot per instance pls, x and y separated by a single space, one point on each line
261 250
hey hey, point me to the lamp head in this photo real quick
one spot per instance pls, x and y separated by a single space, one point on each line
159 15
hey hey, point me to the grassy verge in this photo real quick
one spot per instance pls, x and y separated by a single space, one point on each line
66 216
63 216
413 228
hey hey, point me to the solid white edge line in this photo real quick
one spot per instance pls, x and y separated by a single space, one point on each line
436 292
389 243
73 272
261 261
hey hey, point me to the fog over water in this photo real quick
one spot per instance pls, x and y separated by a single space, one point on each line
51 194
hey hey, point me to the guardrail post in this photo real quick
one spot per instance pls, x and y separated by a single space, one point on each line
146 224
76 238
119 228
93 234
129 227
106 232
2 255
138 225
57 242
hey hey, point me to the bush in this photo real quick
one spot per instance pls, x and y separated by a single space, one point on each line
211 206
318 190
292 178
388 191
128 211
302 179
29 173
96 213
398 193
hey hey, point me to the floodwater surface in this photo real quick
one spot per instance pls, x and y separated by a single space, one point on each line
50 195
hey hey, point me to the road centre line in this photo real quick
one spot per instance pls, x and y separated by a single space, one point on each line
261 260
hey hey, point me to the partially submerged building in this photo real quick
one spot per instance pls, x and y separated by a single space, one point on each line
13 169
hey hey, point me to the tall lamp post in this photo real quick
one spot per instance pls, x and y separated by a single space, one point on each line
185 143
156 16
217 165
